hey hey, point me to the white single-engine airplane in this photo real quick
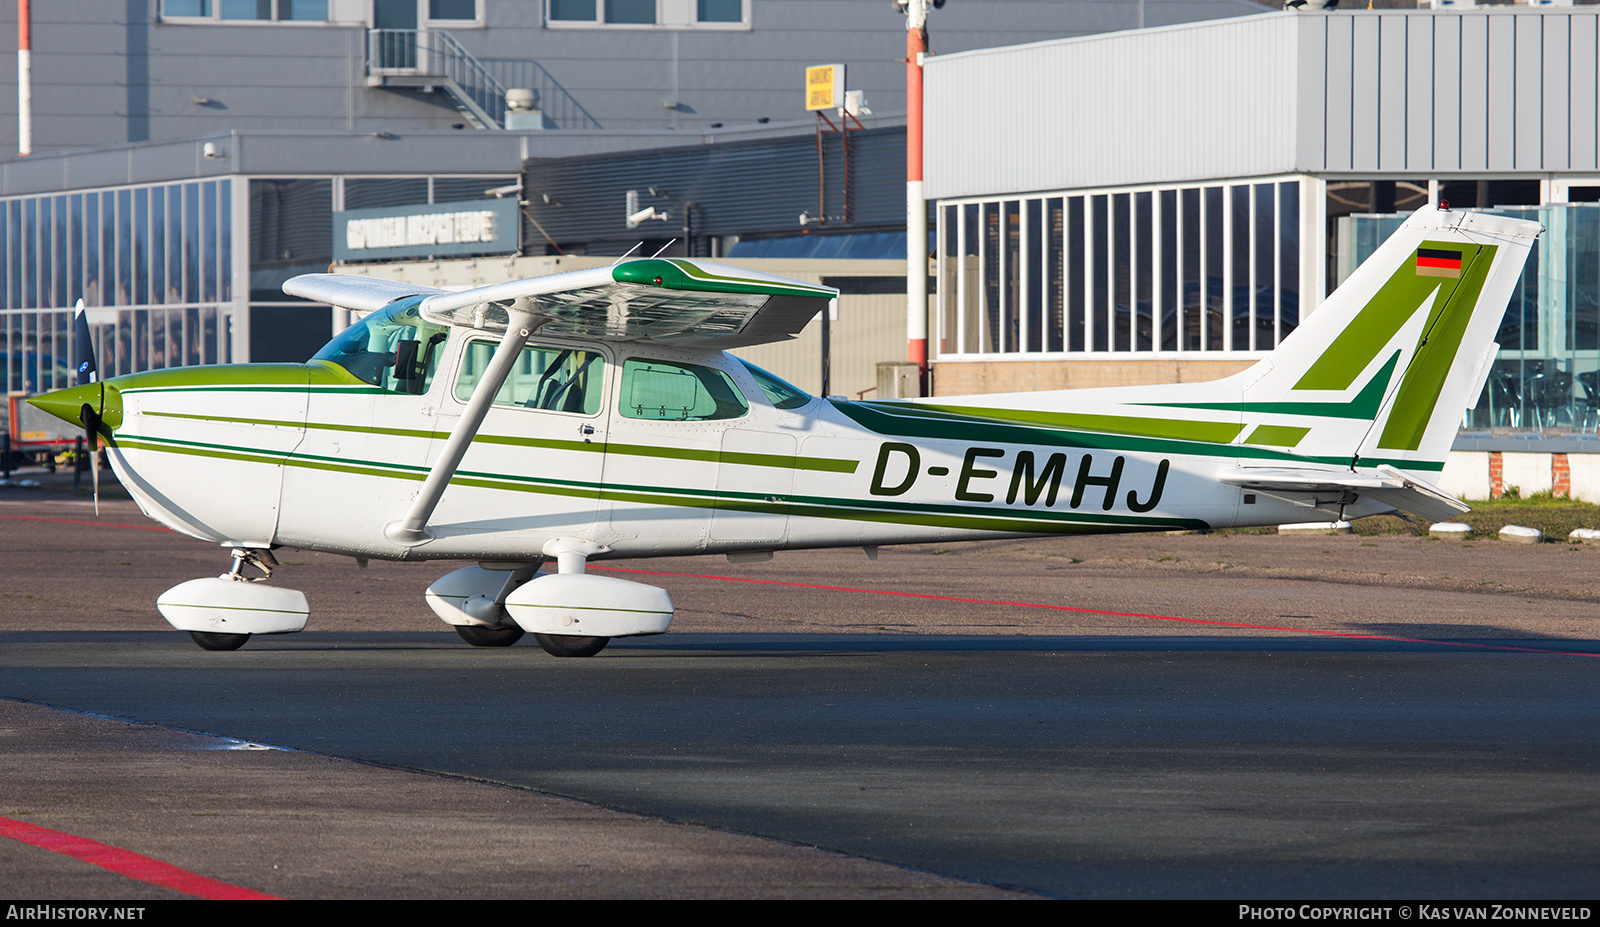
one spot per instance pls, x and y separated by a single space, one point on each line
593 414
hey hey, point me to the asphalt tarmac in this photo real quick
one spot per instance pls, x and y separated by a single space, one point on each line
1200 716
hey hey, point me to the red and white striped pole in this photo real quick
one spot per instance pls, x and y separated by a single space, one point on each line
916 207
24 79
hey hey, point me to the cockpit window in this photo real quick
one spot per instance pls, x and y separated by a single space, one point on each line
782 394
393 349
544 377
664 390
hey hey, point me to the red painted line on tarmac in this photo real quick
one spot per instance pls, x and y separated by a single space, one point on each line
97 524
1101 611
127 863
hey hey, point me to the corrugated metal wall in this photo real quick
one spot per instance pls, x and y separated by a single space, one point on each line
1477 90
758 186
1484 90
115 72
1178 103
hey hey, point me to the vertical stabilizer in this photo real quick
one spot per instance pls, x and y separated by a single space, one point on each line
1383 370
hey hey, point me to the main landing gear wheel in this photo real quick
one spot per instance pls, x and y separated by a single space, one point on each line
565 645
212 640
489 637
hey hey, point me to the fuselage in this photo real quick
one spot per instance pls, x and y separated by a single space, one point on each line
647 450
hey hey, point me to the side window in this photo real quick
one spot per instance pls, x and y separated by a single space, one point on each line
667 391
548 378
393 349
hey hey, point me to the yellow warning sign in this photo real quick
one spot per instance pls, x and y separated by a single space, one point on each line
825 86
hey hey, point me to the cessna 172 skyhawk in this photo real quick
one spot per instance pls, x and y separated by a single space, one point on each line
592 414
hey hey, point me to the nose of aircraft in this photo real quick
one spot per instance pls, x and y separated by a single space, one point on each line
103 400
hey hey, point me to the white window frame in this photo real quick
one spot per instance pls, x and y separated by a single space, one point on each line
215 17
1096 263
476 22
670 14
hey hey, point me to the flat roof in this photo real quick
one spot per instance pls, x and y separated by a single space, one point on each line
290 153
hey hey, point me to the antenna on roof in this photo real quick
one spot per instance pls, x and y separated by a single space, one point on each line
626 253
664 247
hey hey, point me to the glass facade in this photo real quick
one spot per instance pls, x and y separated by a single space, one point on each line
150 263
1546 377
155 266
1207 268
1215 270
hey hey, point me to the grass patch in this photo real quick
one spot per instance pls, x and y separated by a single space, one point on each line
1555 517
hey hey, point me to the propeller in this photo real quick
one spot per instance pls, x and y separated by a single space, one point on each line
88 372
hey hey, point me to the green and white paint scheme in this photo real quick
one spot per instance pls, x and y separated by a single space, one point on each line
594 414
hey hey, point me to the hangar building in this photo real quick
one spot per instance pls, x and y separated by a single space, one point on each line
190 155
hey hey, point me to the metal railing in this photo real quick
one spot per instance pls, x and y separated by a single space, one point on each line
436 56
429 57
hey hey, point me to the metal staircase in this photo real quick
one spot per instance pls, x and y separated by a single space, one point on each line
433 60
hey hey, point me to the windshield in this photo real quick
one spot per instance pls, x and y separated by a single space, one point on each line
393 349
783 395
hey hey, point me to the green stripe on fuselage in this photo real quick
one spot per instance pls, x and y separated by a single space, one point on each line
1364 405
978 518
1277 435
1179 429
914 421
780 461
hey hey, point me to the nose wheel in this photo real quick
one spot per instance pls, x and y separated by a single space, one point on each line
489 637
564 645
212 640
223 612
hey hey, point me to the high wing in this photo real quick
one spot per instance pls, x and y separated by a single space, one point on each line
1389 486
348 291
656 299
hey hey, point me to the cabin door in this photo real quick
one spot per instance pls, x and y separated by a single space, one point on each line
534 469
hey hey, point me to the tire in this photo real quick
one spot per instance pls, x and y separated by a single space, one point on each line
565 645
489 637
212 640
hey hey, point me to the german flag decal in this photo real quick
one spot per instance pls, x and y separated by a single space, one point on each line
1434 262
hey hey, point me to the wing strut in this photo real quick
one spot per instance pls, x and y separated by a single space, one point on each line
413 527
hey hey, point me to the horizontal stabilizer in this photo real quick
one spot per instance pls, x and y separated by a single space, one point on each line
1386 485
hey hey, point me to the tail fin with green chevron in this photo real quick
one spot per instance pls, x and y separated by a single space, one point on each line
1382 372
